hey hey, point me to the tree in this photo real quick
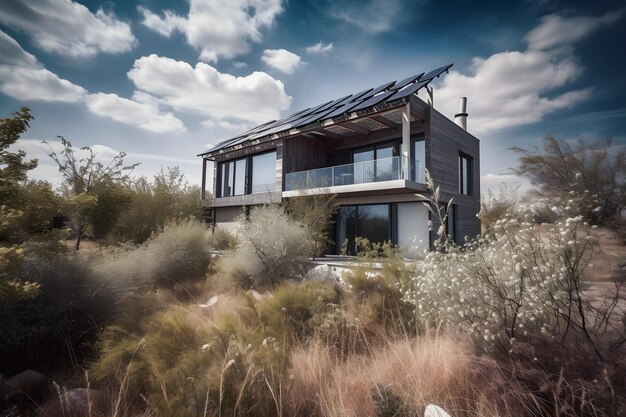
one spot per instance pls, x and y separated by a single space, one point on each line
595 172
85 182
13 167
167 198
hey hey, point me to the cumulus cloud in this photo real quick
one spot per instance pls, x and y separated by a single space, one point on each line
514 88
256 97
217 29
281 59
141 111
11 53
319 48
556 30
68 28
38 84
23 77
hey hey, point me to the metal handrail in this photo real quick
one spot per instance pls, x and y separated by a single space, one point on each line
354 173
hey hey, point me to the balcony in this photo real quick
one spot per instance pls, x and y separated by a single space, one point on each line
376 174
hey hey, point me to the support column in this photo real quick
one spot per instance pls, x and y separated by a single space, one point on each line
203 177
406 141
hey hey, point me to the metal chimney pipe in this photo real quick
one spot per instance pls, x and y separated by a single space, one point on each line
461 117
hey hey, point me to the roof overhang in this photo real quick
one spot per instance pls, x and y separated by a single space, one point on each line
359 113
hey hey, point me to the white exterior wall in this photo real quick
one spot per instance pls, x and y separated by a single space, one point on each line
225 218
413 236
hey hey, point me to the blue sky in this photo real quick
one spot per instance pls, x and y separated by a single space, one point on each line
162 81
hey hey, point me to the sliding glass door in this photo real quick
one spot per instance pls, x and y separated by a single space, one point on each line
376 163
371 221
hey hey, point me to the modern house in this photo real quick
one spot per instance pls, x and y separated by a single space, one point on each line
370 150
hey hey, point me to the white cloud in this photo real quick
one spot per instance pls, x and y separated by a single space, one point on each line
281 59
141 111
12 54
371 16
509 89
23 77
556 31
256 97
514 88
319 48
68 28
38 84
225 124
216 28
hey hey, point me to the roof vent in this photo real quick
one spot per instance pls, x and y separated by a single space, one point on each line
461 117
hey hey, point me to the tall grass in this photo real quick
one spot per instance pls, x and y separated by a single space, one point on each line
401 378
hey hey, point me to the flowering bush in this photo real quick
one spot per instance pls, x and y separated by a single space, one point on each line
517 281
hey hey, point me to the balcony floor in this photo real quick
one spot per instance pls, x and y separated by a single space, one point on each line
392 186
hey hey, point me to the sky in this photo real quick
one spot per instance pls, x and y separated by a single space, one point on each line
163 81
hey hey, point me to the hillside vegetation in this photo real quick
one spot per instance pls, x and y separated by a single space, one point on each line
145 311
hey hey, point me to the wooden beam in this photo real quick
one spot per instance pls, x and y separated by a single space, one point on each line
354 128
383 121
406 141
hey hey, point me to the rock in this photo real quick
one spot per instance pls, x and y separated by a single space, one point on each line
212 301
27 384
76 403
435 411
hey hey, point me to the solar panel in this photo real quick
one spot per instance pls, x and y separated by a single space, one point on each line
357 96
436 72
322 112
408 91
406 81
367 98
372 101
377 90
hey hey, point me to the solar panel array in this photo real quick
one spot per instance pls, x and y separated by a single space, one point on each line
351 103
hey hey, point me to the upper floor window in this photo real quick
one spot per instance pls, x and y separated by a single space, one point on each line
264 172
252 174
418 163
465 174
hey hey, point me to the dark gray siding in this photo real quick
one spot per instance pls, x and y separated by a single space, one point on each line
445 140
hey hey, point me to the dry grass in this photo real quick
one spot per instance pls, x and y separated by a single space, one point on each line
400 379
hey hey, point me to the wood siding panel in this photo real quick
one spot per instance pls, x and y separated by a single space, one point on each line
444 143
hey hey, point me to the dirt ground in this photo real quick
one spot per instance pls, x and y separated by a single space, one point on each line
607 263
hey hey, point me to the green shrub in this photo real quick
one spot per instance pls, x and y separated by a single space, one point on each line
53 329
180 253
297 311
272 247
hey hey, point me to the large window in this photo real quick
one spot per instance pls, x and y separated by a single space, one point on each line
465 174
418 164
376 163
264 172
252 174
233 177
451 222
372 221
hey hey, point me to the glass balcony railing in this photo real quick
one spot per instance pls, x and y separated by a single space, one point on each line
385 169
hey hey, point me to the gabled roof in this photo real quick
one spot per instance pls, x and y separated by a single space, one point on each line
314 116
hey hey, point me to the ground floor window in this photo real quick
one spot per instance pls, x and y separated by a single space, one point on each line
372 221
